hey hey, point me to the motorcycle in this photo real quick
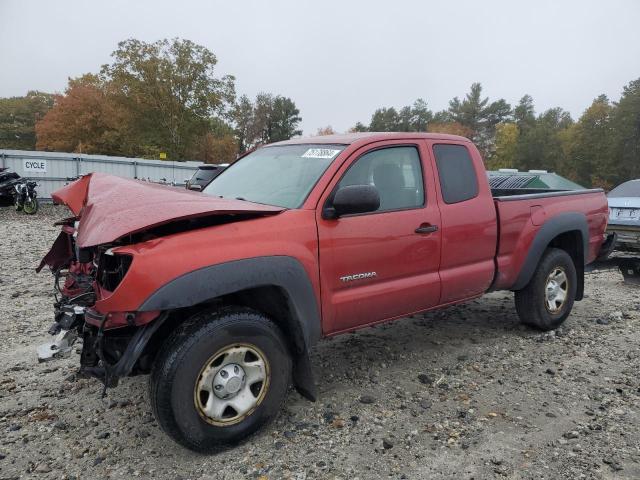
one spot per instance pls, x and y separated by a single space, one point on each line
8 181
27 197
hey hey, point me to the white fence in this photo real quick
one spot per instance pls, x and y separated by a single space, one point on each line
53 170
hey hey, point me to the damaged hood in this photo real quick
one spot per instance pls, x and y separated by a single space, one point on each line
110 207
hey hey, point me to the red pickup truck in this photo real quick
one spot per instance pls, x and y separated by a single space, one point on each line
220 295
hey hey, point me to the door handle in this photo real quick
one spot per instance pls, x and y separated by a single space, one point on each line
427 228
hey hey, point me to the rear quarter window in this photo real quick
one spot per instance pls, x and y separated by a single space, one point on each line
458 179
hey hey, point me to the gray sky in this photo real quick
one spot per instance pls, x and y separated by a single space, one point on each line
339 60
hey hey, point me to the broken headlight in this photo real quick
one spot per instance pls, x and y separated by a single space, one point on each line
112 267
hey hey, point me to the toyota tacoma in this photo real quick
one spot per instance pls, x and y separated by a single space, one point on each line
221 295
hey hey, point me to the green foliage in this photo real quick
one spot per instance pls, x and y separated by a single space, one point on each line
165 96
18 117
155 97
413 118
269 119
524 114
385 120
479 116
625 139
283 120
540 145
170 90
506 144
601 149
588 146
243 117
359 127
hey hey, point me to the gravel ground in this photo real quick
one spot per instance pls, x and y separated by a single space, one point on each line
462 393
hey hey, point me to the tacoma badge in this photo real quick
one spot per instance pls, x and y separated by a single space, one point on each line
358 276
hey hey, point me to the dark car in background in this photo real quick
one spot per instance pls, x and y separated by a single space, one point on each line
624 215
204 175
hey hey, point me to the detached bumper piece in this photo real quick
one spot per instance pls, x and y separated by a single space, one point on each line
65 329
61 346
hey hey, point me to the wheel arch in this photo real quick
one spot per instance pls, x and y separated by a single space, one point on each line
567 231
277 286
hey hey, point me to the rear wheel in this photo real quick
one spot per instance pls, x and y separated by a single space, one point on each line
548 298
219 378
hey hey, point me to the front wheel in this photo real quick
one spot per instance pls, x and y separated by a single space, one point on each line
219 378
548 298
31 206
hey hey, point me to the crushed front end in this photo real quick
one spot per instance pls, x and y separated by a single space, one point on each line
113 343
106 262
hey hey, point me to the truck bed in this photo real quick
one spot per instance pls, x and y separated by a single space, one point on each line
500 193
522 215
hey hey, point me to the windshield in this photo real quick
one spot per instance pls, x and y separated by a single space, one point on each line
280 175
627 189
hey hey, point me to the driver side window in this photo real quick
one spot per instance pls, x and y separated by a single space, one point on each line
396 172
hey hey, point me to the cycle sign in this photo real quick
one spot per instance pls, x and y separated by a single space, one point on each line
39 166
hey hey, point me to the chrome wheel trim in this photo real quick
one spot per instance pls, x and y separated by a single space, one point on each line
556 290
231 384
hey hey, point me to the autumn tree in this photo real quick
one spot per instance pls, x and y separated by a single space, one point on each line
328 130
170 90
506 143
213 149
84 120
450 128
218 145
18 117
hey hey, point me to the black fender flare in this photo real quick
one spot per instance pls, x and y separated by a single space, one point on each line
562 223
281 271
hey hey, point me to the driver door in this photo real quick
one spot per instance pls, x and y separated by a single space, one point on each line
384 264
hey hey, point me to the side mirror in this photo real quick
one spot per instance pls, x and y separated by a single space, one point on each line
354 199
195 187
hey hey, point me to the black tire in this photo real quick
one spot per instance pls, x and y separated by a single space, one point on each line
531 301
31 207
180 363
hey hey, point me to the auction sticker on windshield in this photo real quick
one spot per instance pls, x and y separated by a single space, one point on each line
320 153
